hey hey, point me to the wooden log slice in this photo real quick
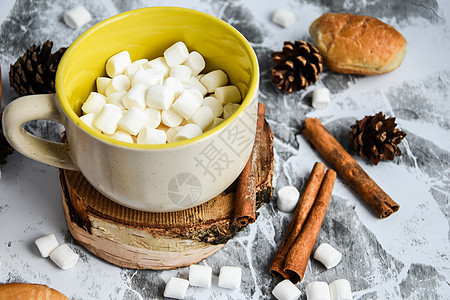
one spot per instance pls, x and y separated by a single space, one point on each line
143 240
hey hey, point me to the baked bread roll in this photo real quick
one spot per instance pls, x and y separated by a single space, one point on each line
27 291
358 44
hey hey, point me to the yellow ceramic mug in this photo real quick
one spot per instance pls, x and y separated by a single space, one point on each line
146 177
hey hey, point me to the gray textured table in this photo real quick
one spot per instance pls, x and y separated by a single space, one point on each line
403 257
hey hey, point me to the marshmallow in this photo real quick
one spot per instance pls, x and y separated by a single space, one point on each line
321 98
199 76
102 83
117 63
230 277
286 290
216 122
175 84
176 288
181 72
317 290
89 119
116 99
229 109
340 290
196 84
188 131
77 17
160 96
287 198
94 103
122 136
228 94
147 77
214 79
119 83
176 54
203 117
46 244
135 97
327 255
171 118
158 64
215 106
131 70
171 132
153 117
151 136
283 17
133 121
108 119
188 102
200 275
195 62
64 257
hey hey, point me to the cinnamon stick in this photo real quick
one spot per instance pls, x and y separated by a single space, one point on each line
298 219
298 256
349 169
245 203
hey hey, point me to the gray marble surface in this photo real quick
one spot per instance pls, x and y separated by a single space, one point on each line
403 257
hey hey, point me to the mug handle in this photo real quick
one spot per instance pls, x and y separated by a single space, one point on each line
29 108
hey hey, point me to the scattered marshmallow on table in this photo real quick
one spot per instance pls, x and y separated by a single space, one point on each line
327 255
117 63
203 117
160 96
176 54
108 119
46 244
200 275
214 79
151 136
283 17
171 118
317 290
287 198
214 104
188 102
94 103
176 288
230 277
189 131
230 109
286 290
195 62
133 121
64 257
136 97
228 94
321 98
340 290
77 17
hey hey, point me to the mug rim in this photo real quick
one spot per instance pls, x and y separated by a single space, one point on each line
64 103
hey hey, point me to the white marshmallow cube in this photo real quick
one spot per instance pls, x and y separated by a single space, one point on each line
102 83
216 122
108 119
171 118
89 120
160 96
46 244
321 98
228 94
327 255
214 104
286 290
176 54
172 132
151 136
340 290
188 103
214 79
200 275
64 257
147 77
230 109
94 103
203 117
133 121
195 62
131 70
189 131
153 117
119 83
135 97
116 99
196 84
287 198
175 84
176 288
122 136
77 17
317 290
158 64
283 17
181 72
230 277
117 63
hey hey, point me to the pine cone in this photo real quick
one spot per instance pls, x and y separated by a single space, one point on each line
34 72
297 66
376 138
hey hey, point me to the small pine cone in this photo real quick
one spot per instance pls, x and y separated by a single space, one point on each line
296 67
34 72
376 138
